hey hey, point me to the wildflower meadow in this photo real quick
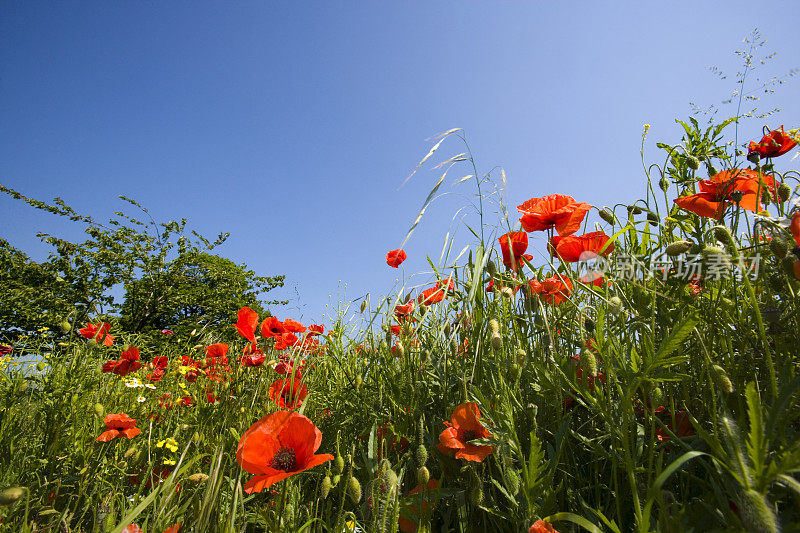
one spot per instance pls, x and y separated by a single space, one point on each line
643 378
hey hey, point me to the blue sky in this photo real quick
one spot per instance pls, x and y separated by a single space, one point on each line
293 125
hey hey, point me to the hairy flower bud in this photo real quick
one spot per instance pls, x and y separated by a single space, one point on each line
607 215
721 379
491 268
756 513
656 395
421 455
198 478
338 464
784 191
363 308
99 410
354 490
65 327
589 362
494 325
476 495
12 494
778 245
497 341
723 235
692 162
614 305
663 184
325 488
423 475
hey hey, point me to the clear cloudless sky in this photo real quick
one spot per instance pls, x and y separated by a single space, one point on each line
293 125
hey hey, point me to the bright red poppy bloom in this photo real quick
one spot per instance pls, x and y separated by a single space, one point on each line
409 520
246 323
465 426
557 211
285 340
5 350
775 143
272 327
128 362
99 332
795 227
717 193
252 356
119 424
513 246
217 353
293 326
289 366
315 329
395 257
540 526
553 290
288 394
402 311
279 445
574 248
431 296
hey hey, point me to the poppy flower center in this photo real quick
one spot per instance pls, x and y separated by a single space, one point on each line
284 459
469 435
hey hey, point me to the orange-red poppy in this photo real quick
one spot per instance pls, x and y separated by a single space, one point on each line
246 325
553 290
288 393
272 327
581 247
133 528
279 445
128 362
513 245
252 356
217 354
285 340
463 427
316 329
411 515
720 191
395 257
541 526
290 366
557 211
795 227
775 143
404 310
681 428
293 326
119 424
99 332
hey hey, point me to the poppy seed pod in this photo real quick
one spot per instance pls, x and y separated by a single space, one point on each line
778 246
784 191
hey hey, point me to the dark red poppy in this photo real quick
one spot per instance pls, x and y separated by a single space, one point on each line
187 401
410 516
775 143
582 248
288 393
272 327
279 445
98 332
682 426
246 323
395 257
463 427
5 350
119 424
557 211
289 366
167 331
252 356
553 290
127 363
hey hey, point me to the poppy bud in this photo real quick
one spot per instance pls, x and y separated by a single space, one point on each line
635 209
65 327
656 395
384 467
607 215
447 330
421 455
692 162
338 464
497 342
677 248
198 478
99 410
522 357
325 488
92 343
423 475
711 170
491 268
778 246
390 480
788 264
388 337
721 379
401 351
756 513
476 495
40 366
784 191
766 197
336 479
589 362
12 494
516 371
652 218
130 451
494 325
716 251
363 308
453 345
614 305
754 157
354 490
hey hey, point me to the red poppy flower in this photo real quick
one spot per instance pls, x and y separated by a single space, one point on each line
540 526
99 332
773 144
156 375
717 193
5 350
795 227
285 340
289 366
217 354
279 445
272 327
682 428
119 424
252 356
246 323
395 257
132 528
513 246
582 248
315 329
128 362
410 517
465 426
431 296
293 326
402 311
553 290
187 401
167 331
288 394
557 211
